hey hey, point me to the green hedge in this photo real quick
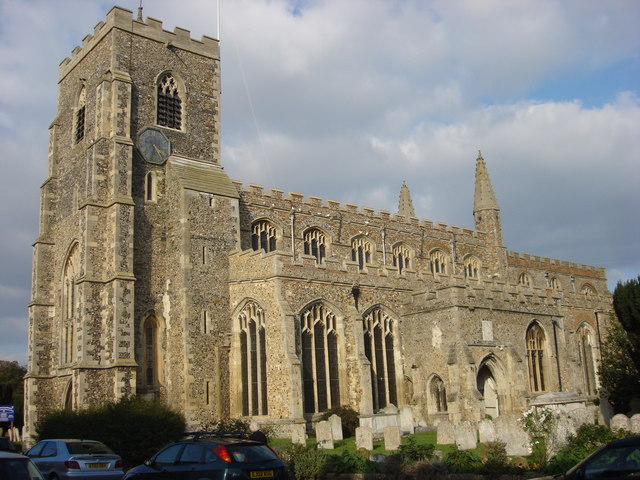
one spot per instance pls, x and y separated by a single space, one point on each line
134 428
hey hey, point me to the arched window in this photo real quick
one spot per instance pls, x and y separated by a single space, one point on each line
263 236
320 377
169 113
151 354
70 275
535 355
78 129
150 187
401 257
438 395
361 251
379 347
253 361
586 359
472 267
315 244
524 279
438 262
554 284
587 290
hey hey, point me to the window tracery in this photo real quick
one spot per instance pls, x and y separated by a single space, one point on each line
554 283
263 236
315 244
169 111
253 361
536 341
401 257
438 262
587 290
524 279
79 117
438 395
379 348
586 359
472 267
70 299
320 376
361 251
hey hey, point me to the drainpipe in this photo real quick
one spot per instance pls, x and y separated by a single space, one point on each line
554 322
384 247
293 240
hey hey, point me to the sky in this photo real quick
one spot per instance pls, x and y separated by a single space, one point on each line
346 99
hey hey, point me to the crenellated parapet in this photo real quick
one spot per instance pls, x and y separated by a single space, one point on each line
121 18
535 261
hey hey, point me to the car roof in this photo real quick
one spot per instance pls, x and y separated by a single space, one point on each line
68 440
625 442
11 455
220 438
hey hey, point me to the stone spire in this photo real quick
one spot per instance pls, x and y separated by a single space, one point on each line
405 205
485 206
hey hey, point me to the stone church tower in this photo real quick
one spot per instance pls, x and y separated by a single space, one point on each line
155 274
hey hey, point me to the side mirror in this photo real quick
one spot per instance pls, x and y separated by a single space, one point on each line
151 464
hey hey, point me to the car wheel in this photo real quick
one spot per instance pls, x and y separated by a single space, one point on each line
53 476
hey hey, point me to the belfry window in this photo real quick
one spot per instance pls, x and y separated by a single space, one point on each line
319 342
315 244
78 129
379 348
535 355
586 359
253 361
169 103
438 262
438 395
401 257
472 267
361 252
263 236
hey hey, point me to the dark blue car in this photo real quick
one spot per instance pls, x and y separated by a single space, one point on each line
212 457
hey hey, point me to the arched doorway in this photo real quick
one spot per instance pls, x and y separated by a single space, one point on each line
488 388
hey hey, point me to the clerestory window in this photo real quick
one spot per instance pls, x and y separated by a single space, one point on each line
472 267
315 244
263 236
361 252
401 257
438 262
524 279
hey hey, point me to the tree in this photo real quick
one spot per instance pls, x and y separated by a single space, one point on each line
626 303
11 387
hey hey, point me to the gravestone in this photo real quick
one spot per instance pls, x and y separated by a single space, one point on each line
580 416
299 434
364 438
634 424
392 438
324 435
510 432
564 427
446 433
620 421
406 419
336 427
466 436
486 431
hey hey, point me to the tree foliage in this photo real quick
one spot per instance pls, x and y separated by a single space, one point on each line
626 303
11 387
134 428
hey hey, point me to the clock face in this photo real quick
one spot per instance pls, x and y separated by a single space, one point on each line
154 146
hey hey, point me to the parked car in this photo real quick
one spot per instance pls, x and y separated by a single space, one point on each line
619 459
6 445
211 456
76 460
14 466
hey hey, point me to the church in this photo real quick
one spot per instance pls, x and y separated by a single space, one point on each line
156 274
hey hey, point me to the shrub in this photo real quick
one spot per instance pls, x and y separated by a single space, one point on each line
349 463
306 462
349 417
230 425
133 427
413 452
462 461
429 471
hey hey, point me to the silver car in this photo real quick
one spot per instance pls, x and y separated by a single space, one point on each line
76 460
14 466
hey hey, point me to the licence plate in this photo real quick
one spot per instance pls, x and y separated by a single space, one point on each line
97 465
262 474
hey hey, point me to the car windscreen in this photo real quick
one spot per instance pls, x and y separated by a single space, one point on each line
88 448
251 453
18 469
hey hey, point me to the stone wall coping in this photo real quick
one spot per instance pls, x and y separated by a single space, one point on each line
549 262
121 18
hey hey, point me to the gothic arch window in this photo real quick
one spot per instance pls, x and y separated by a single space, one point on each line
151 353
69 309
586 358
536 343
437 395
361 251
315 244
587 290
524 279
380 347
472 267
554 284
263 236
438 262
320 375
67 402
401 257
253 359
169 102
150 187
79 116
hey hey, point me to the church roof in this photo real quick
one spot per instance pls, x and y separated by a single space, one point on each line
203 177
